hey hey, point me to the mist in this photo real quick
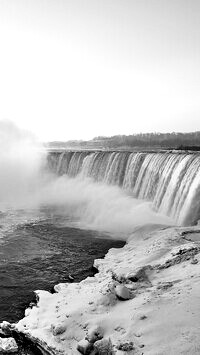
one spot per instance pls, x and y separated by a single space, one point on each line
25 184
21 161
99 206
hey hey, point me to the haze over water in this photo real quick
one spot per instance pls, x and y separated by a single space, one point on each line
53 226
25 183
39 243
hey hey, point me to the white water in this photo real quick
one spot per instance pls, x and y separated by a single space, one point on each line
24 184
109 191
100 206
170 180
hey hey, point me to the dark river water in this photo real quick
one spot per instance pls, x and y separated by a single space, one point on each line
39 250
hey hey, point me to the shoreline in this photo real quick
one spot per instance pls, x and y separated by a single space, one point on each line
160 269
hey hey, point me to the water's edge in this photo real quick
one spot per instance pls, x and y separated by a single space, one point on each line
177 246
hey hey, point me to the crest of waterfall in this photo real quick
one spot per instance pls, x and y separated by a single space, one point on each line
170 180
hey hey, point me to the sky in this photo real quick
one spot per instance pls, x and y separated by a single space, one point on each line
76 69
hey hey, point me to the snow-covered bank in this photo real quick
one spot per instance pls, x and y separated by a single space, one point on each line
161 270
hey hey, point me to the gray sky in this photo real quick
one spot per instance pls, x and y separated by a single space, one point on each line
77 69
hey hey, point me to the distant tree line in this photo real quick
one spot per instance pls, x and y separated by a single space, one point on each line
153 140
187 141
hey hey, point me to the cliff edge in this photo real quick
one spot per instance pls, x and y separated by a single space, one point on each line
144 300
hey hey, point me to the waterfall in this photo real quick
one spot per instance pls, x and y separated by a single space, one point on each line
170 180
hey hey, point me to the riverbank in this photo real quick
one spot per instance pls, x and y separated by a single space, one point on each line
157 271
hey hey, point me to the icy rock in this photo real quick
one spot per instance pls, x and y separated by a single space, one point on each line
71 278
122 292
8 345
5 328
84 347
194 261
132 287
58 329
128 346
94 334
27 312
32 304
103 347
61 287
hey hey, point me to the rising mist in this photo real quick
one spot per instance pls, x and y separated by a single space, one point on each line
25 183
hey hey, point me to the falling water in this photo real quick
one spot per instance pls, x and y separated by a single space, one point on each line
170 180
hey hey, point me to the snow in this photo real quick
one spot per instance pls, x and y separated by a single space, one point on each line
8 345
160 318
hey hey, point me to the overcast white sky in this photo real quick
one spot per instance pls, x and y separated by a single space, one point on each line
72 69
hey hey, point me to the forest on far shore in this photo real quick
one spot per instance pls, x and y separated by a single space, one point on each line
174 140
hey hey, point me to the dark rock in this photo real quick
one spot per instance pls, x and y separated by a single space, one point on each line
143 317
71 278
128 346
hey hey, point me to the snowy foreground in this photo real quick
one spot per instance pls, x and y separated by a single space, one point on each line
144 300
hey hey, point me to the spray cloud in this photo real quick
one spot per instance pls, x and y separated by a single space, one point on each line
24 183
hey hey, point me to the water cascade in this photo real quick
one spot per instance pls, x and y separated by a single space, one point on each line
170 180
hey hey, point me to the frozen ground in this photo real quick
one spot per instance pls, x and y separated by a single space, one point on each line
158 274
